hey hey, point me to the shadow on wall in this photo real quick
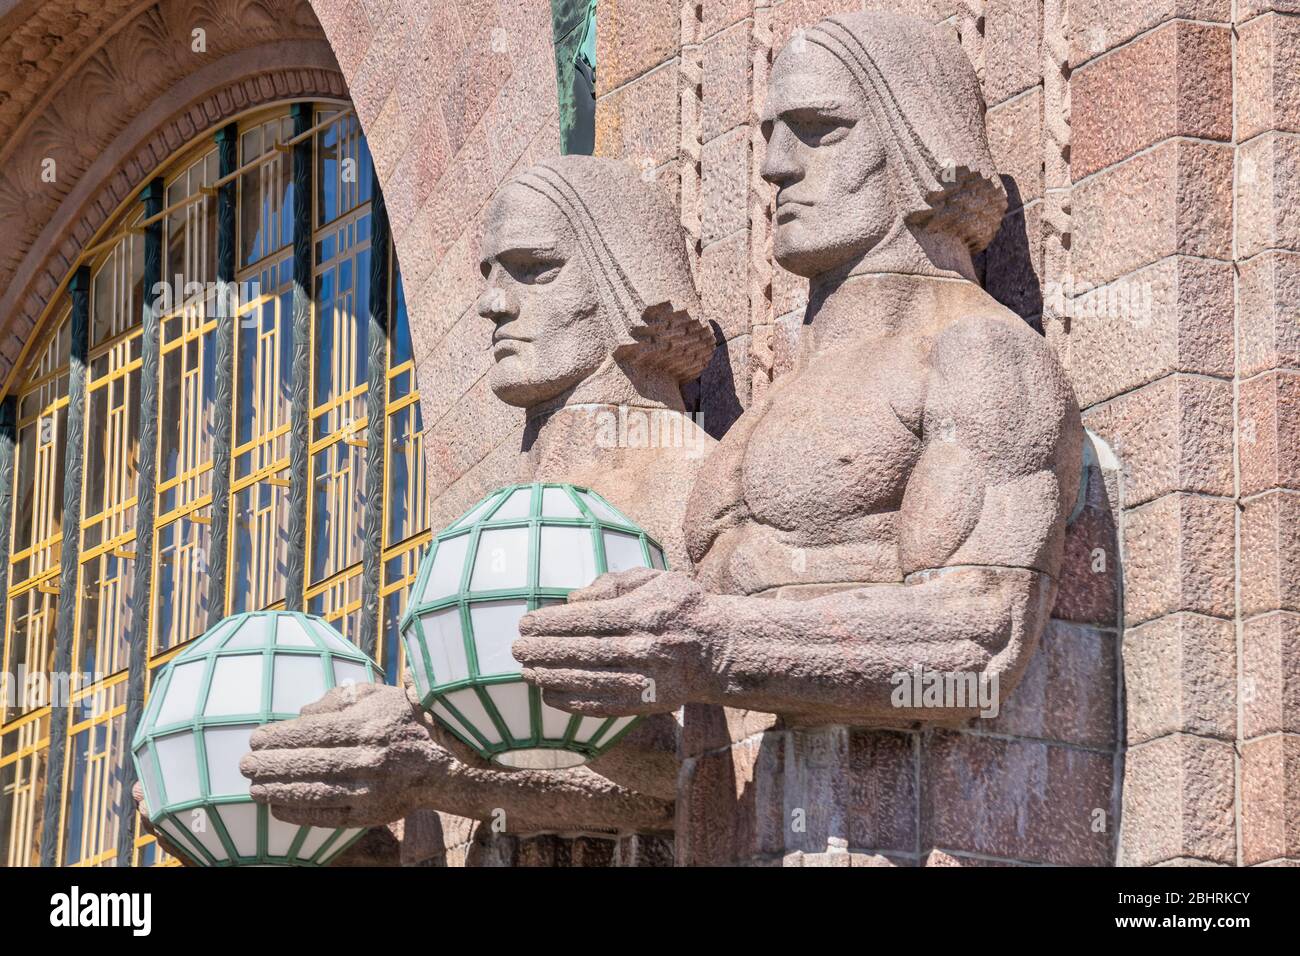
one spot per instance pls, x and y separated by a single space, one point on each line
1008 267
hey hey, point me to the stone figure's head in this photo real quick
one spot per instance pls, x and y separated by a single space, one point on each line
875 124
586 266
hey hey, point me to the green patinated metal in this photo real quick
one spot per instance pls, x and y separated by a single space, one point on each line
147 476
300 413
227 139
79 329
269 636
573 30
376 425
582 509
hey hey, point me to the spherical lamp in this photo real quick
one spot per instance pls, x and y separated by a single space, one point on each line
520 548
248 670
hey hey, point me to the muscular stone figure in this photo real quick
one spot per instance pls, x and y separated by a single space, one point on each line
595 329
899 498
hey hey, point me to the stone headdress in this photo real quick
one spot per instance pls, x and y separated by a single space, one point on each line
631 241
925 98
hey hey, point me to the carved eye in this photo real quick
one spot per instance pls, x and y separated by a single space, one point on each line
817 129
531 269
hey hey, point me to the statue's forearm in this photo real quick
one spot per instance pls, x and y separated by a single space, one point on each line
532 800
842 654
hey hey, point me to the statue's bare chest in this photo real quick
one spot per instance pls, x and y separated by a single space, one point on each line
837 442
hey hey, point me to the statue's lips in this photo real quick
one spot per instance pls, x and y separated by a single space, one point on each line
788 209
505 346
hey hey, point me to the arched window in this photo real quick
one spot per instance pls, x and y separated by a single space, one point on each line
197 431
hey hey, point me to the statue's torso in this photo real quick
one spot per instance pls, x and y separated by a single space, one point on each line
806 488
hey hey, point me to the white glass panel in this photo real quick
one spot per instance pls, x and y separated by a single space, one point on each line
601 510
467 702
517 506
446 646
149 768
226 747
299 679
657 559
174 832
256 631
236 686
290 633
511 702
241 826
501 560
341 844
204 831
615 729
216 634
568 557
622 551
440 709
350 672
180 767
316 837
279 836
477 513
496 627
556 503
587 727
415 661
334 640
554 722
448 564
182 697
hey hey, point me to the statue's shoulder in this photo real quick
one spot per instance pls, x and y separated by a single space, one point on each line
991 335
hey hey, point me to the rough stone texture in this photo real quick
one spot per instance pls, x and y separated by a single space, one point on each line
1268 425
1097 26
1178 556
1270 799
1268 75
1178 802
1174 198
1270 679
1091 571
1268 298
1018 799
1173 316
1172 435
1180 674
1268 194
1270 553
1174 81
1015 136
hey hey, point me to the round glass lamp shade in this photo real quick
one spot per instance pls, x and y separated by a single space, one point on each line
248 670
518 549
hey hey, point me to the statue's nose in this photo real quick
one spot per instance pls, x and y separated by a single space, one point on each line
498 304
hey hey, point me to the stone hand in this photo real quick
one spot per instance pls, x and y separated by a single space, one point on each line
630 643
360 756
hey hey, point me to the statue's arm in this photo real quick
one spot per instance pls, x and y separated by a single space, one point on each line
364 756
980 532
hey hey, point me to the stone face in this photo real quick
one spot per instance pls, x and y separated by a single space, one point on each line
1178 802
1180 675
1174 81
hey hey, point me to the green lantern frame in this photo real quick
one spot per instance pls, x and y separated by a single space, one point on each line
577 743
327 648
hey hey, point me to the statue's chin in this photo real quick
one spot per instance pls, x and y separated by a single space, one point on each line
519 392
